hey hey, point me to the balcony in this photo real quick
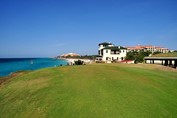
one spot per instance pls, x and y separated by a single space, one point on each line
115 52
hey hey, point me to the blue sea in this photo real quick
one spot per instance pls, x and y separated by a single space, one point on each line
10 65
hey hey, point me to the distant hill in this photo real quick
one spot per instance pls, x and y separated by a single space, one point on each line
171 54
69 55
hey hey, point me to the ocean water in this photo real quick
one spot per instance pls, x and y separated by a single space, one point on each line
10 65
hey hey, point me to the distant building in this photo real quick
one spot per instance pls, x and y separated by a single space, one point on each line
109 52
148 48
70 55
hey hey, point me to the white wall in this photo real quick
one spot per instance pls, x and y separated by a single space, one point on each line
107 53
101 47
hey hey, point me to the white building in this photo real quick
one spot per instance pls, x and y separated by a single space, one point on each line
109 52
148 48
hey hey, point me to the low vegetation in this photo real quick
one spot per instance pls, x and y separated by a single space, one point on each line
92 91
138 56
91 57
170 54
78 62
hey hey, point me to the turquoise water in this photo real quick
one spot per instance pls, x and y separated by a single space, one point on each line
10 65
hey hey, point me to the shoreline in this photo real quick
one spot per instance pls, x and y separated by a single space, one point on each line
4 79
70 62
12 65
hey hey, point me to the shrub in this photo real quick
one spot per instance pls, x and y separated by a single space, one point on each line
78 62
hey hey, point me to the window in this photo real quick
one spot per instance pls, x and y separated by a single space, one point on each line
114 51
106 51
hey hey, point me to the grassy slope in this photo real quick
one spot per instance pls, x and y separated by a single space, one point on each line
171 54
93 91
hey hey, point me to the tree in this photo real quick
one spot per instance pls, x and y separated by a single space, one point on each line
138 56
130 56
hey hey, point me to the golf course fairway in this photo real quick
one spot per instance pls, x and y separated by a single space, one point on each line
92 91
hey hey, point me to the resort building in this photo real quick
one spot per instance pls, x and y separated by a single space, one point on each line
148 48
70 55
109 52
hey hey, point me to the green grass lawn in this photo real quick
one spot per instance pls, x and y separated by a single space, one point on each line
92 91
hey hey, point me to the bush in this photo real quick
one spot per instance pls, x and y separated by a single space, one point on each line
157 52
78 62
138 56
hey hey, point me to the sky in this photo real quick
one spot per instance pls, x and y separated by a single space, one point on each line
48 28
